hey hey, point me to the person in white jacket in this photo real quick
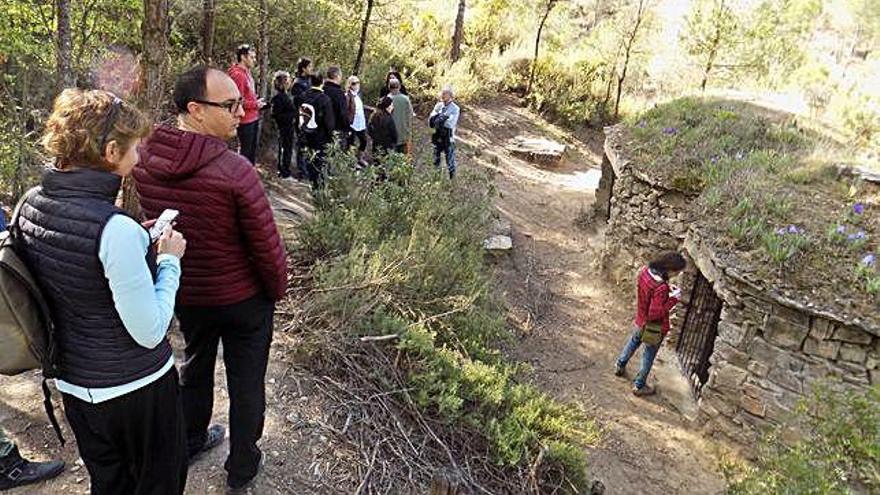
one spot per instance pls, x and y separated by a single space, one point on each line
444 120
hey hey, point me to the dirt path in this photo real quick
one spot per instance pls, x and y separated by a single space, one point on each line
576 320
575 323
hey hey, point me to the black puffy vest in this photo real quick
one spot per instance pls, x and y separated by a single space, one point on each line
61 230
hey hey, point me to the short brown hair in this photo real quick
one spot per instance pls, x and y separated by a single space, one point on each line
78 122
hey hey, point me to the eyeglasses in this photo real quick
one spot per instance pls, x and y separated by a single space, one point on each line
112 114
230 106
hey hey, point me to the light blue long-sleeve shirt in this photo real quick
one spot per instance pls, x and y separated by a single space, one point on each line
452 111
145 308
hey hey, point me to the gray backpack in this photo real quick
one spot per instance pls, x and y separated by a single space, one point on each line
26 331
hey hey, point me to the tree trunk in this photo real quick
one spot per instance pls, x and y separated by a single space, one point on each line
207 31
152 91
66 77
628 47
264 49
155 55
363 44
550 4
713 48
459 32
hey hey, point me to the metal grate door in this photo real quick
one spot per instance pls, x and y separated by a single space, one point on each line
698 332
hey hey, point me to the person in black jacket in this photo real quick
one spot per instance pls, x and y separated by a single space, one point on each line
301 83
393 73
382 130
284 113
333 89
316 125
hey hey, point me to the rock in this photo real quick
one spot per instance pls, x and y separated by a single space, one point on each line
822 329
758 369
543 152
753 405
498 243
853 353
852 335
823 348
729 377
785 333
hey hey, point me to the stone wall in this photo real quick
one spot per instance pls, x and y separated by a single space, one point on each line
770 352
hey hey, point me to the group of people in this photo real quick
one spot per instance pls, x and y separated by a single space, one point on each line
112 287
312 110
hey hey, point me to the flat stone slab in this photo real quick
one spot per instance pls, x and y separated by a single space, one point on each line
498 243
544 152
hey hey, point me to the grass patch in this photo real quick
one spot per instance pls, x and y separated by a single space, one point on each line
402 259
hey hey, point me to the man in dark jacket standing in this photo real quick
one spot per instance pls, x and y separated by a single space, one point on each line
235 268
333 90
316 130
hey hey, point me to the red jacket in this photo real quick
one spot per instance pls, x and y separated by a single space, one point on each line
245 82
654 303
233 249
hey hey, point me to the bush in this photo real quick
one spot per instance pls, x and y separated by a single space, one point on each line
403 258
839 451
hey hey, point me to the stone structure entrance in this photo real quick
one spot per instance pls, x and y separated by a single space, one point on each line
699 329
750 353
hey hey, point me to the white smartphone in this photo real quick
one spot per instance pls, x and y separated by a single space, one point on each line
165 219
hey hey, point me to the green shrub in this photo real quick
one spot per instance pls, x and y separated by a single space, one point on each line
403 256
838 452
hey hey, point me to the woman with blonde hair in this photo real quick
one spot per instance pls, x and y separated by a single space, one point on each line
110 289
357 120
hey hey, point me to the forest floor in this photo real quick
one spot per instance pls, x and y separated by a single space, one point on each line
572 323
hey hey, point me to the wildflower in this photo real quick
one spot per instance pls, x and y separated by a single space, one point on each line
869 260
669 130
858 236
714 159
792 229
780 231
739 155
859 208
841 229
642 124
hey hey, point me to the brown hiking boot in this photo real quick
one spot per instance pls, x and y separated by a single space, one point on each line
644 391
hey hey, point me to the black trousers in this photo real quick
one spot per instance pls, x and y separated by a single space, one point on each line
245 329
285 150
315 161
247 140
361 137
134 444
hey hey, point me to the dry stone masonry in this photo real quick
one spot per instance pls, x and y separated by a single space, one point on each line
770 351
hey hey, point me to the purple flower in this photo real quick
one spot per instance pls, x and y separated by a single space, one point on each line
780 231
859 208
869 260
669 130
714 159
792 229
858 236
642 124
841 229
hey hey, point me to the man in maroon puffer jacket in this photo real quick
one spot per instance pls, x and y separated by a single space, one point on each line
235 268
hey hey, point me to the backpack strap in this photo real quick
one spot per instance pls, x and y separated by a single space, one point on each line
15 233
50 412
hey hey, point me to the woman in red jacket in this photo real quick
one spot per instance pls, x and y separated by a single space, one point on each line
656 298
